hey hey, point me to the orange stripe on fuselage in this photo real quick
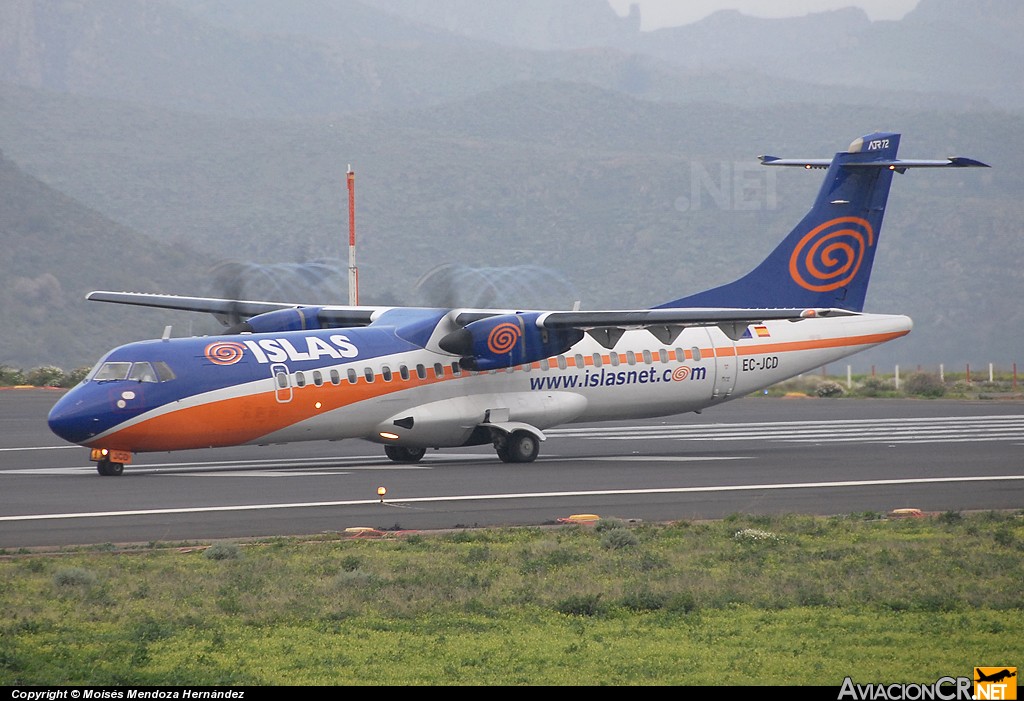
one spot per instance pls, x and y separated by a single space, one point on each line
869 339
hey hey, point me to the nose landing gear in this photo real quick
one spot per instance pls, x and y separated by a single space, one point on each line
110 463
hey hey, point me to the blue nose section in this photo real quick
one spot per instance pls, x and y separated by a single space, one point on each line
73 418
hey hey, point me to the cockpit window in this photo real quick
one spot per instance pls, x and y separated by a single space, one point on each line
157 371
163 371
142 372
112 371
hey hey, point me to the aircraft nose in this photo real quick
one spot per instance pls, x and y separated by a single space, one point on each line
72 418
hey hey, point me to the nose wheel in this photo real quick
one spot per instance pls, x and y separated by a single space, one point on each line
110 463
109 468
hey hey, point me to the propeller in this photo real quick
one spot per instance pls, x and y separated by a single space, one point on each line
453 285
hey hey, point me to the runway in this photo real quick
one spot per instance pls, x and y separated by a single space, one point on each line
754 455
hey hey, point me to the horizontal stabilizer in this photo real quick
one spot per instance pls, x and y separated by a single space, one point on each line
899 165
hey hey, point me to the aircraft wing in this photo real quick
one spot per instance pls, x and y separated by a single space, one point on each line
679 316
665 323
231 311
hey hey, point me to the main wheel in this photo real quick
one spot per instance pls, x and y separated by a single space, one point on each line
522 446
397 453
108 468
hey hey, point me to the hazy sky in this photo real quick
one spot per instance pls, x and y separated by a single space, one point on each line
668 13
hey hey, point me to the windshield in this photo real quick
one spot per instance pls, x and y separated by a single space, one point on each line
142 371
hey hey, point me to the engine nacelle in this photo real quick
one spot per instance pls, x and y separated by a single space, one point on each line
509 339
297 319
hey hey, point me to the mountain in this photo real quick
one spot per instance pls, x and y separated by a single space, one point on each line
619 162
55 251
968 52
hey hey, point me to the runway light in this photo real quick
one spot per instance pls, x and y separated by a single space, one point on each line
381 491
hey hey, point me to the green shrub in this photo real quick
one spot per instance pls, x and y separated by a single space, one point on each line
925 385
11 376
46 376
829 389
222 551
874 387
581 605
74 578
618 538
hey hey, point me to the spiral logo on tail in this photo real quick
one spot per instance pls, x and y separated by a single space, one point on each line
503 338
224 352
829 255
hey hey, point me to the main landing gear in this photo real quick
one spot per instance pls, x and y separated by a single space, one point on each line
397 453
518 446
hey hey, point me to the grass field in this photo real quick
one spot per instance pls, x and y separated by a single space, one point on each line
768 600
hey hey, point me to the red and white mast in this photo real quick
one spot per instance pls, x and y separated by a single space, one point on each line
353 271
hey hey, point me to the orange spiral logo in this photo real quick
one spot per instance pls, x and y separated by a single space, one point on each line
224 352
681 373
829 255
503 338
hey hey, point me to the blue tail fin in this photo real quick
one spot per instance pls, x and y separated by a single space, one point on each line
826 260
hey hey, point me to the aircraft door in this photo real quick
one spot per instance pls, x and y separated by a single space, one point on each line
726 360
282 382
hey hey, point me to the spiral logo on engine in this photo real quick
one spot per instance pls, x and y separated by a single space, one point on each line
503 338
224 352
680 373
829 255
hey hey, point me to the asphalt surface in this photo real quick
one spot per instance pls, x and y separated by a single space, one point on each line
754 455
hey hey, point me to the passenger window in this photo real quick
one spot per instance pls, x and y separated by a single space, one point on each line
456 369
439 371
318 378
142 372
647 357
353 376
282 379
614 357
663 355
368 374
579 360
386 373
113 371
335 377
562 364
300 379
403 371
696 352
631 357
680 355
597 360
421 372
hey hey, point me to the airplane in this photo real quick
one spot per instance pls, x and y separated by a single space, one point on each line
995 677
418 378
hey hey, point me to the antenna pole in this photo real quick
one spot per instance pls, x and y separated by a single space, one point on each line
353 271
